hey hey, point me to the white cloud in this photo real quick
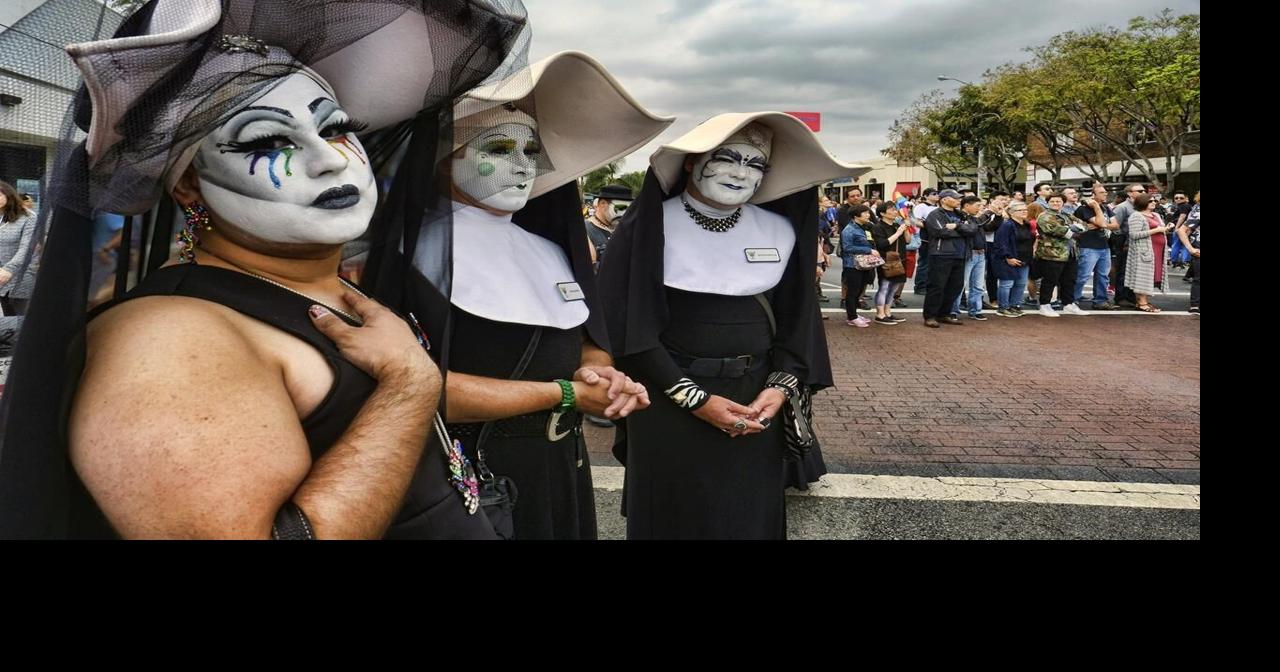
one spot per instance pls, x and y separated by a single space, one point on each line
858 63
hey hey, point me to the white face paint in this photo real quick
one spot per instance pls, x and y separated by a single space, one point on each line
289 169
497 168
614 210
730 174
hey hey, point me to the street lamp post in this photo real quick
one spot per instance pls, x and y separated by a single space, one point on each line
943 78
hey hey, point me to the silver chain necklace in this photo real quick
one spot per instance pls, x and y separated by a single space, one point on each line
711 223
349 316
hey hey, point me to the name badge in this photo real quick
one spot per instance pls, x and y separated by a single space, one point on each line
763 255
571 291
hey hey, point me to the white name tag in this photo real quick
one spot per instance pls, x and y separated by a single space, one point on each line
571 291
763 255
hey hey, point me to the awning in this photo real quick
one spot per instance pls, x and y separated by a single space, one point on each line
908 189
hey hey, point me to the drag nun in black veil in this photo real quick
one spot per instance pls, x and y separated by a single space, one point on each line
514 315
708 295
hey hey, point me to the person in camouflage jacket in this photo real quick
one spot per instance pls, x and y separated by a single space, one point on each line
1054 243
1055 259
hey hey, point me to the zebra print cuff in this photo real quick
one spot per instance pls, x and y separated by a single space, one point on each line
687 395
787 383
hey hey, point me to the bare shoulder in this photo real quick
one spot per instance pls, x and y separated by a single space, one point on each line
179 427
159 320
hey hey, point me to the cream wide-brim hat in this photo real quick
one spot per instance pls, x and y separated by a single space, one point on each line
798 159
585 118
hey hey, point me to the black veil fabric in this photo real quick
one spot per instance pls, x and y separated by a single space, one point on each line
557 216
632 282
172 95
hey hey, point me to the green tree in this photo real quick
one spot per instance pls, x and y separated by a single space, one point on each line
919 136
1133 91
1087 97
595 180
971 123
634 180
1031 98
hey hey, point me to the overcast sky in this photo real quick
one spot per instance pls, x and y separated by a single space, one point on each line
858 63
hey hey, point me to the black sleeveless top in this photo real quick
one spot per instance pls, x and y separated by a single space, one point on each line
433 508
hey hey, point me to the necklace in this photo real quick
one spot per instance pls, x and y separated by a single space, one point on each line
711 223
349 316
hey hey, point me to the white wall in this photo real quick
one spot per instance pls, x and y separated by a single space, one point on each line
12 10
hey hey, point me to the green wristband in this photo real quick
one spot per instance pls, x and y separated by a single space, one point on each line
567 399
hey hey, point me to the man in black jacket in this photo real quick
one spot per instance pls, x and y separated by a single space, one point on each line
950 232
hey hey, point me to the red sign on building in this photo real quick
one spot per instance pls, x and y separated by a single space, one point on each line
811 119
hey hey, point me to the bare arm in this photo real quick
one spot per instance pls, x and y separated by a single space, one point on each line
593 355
213 447
479 399
1184 233
1098 221
356 488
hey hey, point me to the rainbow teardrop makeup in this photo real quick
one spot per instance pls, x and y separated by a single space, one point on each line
345 141
271 156
256 155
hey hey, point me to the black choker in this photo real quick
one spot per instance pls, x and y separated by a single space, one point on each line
710 223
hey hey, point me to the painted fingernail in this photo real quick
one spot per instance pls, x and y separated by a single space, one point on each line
318 311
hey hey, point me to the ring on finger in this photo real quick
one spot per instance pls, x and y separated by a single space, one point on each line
740 425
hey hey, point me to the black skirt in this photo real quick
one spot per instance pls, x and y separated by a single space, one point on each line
556 498
685 479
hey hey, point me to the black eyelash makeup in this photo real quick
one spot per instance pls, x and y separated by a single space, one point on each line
264 143
345 126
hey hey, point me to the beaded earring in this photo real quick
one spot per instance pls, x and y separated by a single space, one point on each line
197 218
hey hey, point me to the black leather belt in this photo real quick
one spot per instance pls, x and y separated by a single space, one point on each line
723 367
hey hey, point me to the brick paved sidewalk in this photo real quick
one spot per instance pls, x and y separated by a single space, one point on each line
1093 398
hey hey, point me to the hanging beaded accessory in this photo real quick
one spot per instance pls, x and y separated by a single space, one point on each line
197 218
462 476
711 223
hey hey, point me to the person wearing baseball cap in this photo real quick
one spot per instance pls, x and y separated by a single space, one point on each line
948 242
